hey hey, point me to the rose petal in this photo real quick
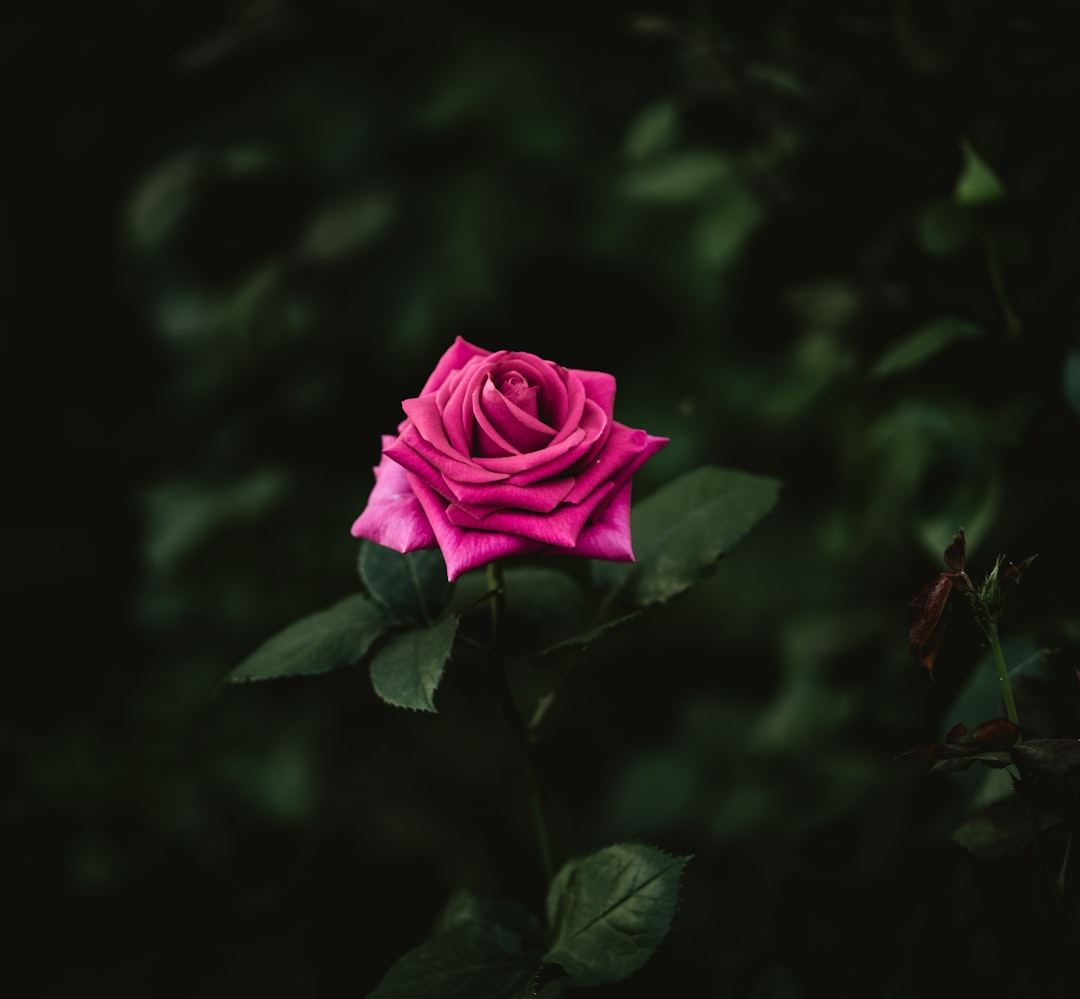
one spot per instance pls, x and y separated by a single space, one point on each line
464 550
482 499
561 527
557 456
568 417
549 379
517 390
608 537
576 450
433 464
599 387
504 428
624 453
459 354
393 516
454 404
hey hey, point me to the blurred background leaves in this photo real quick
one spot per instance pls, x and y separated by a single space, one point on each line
235 236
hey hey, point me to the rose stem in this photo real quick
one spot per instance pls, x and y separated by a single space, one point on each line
514 718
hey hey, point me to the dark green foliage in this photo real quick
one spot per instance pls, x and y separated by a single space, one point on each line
413 588
407 669
318 643
237 235
610 911
681 532
472 961
607 913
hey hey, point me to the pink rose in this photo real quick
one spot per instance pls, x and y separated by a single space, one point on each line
507 454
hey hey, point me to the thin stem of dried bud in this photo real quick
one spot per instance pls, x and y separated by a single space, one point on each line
1003 674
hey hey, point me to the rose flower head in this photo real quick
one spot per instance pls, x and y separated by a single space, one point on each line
506 454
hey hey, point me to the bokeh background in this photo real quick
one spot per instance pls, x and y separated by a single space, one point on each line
236 235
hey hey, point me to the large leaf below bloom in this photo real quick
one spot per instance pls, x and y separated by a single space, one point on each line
413 587
472 961
406 671
317 643
681 531
610 910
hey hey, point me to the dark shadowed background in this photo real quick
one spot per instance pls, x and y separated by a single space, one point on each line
235 235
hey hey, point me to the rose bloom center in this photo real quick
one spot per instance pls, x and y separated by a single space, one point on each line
515 388
512 384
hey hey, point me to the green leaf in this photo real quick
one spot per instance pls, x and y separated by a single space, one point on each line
413 587
610 910
582 639
681 532
474 960
977 184
923 344
406 671
317 643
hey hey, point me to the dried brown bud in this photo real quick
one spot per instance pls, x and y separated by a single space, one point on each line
927 608
956 554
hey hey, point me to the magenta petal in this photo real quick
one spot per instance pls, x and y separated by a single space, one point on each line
599 387
454 404
417 455
459 354
462 549
393 516
481 499
512 428
609 537
556 457
624 453
567 421
560 528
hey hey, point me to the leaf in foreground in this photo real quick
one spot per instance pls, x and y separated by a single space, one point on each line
318 643
610 910
682 530
406 671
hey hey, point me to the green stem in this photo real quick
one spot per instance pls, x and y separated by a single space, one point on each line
515 720
1003 674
